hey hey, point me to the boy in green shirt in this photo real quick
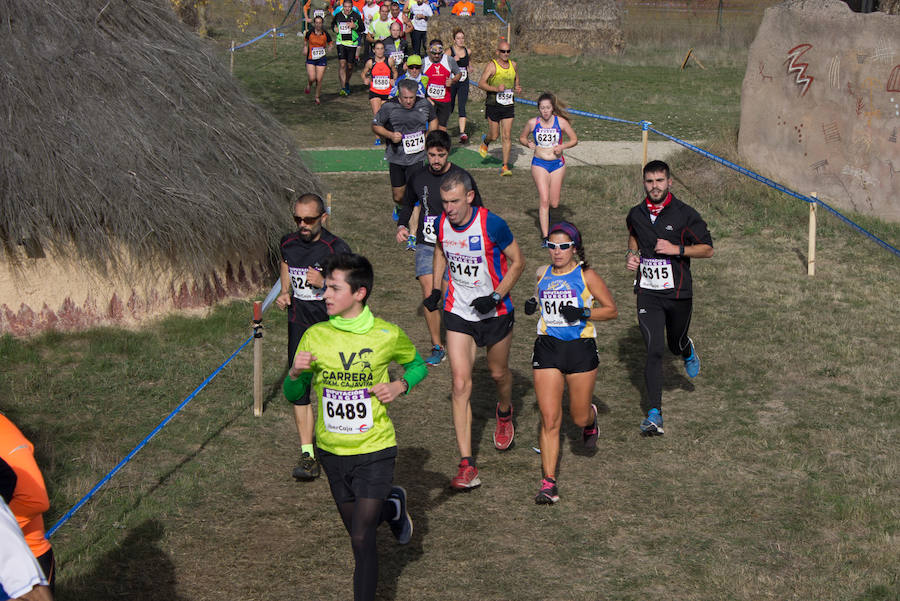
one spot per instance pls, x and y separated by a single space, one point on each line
345 360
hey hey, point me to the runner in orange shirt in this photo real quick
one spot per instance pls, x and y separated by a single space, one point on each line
29 500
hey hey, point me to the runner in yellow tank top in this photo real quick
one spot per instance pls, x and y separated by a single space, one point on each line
500 80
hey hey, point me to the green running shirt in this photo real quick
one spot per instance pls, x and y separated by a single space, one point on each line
350 420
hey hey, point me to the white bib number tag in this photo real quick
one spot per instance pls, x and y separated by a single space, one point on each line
381 82
551 302
398 57
302 288
347 411
464 74
429 234
505 97
414 142
656 274
466 271
316 53
318 13
436 91
546 138
344 28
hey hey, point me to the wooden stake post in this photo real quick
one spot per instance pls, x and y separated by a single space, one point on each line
232 57
257 360
645 134
811 252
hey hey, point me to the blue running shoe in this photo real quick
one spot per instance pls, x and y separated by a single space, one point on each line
402 525
377 141
437 355
394 215
411 243
653 424
692 363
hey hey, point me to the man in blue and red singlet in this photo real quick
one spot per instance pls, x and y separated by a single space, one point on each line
484 262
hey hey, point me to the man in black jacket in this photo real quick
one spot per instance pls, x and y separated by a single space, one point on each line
663 235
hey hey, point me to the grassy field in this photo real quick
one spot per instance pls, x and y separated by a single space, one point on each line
777 478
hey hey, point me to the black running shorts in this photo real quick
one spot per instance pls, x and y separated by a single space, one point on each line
486 332
366 476
443 112
499 112
400 174
568 356
347 53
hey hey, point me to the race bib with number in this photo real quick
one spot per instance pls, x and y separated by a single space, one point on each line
466 271
551 302
316 53
318 13
347 411
464 74
344 28
381 82
414 142
428 225
546 138
302 288
398 57
505 97
656 274
436 91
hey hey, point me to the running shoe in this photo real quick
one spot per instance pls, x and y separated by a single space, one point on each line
402 525
438 354
653 424
394 215
482 150
318 101
308 468
504 170
591 433
377 141
466 477
548 495
411 243
347 89
306 91
343 92
692 363
463 139
504 432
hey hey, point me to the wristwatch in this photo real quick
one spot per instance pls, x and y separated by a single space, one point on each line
586 313
495 296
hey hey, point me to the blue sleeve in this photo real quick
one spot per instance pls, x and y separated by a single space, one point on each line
498 231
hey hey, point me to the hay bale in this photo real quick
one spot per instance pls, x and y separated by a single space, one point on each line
132 166
568 27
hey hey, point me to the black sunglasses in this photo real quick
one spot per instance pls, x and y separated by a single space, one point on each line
504 51
307 220
560 246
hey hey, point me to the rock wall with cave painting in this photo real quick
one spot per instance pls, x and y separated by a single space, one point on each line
820 104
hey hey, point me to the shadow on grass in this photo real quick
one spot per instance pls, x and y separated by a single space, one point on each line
632 353
426 490
484 400
137 569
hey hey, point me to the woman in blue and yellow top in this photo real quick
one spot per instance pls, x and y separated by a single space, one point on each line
565 352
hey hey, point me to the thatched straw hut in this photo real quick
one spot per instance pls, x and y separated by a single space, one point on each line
568 27
135 176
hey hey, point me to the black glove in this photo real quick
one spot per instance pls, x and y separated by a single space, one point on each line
572 313
431 303
530 306
486 304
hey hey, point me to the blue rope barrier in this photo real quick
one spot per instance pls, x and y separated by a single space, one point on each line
645 126
779 187
498 16
264 34
134 451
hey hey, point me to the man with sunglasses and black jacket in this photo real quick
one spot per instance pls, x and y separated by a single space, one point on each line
304 254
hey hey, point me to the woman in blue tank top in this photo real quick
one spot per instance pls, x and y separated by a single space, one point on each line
565 353
548 167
